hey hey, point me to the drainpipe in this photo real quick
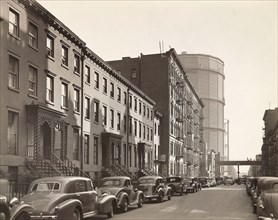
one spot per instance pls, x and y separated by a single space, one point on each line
82 108
127 128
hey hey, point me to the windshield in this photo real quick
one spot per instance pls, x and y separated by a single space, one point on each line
173 179
49 186
109 182
146 181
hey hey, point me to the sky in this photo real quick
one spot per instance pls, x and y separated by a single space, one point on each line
241 33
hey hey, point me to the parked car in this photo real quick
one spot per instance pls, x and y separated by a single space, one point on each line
199 185
67 197
177 184
257 192
212 182
12 210
154 187
192 185
204 181
228 181
267 202
122 188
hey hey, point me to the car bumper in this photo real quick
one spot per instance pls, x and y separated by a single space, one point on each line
266 218
44 217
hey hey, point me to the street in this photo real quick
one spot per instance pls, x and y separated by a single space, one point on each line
221 202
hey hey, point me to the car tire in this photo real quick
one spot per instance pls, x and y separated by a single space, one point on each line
169 196
124 205
140 202
111 213
5 211
23 216
76 215
160 198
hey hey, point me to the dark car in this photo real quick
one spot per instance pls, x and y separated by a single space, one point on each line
122 188
67 197
257 192
154 187
12 210
204 181
267 202
192 185
177 184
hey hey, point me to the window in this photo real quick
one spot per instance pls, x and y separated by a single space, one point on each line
13 23
105 85
13 72
111 118
104 115
140 108
130 155
112 90
119 95
125 155
130 101
118 121
151 115
148 113
133 73
148 133
12 132
135 156
95 150
87 107
144 110
125 96
135 127
124 123
96 80
154 128
76 100
140 130
96 111
50 46
151 134
87 75
172 128
49 88
86 149
130 125
76 64
33 35
33 81
135 104
75 144
64 101
65 55
144 132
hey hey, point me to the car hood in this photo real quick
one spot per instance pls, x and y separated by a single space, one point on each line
42 202
111 190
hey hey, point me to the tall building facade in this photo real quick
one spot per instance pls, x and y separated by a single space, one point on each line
63 110
270 143
162 77
206 73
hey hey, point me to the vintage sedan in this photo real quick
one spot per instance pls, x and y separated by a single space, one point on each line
177 184
122 188
67 197
192 185
154 187
257 192
267 202
12 210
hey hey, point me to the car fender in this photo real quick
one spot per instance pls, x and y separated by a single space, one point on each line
167 191
5 209
65 209
105 203
137 196
20 208
121 197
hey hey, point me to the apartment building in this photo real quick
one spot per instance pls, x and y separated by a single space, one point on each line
63 110
269 155
162 77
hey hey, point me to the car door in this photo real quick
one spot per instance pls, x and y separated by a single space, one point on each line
128 189
82 194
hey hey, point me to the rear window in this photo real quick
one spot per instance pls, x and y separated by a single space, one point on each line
173 179
46 186
113 182
146 181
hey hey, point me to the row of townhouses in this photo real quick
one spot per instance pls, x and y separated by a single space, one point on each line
66 111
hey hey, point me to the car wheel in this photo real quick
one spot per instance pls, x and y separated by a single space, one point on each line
23 216
140 202
4 212
124 205
169 196
76 215
160 198
111 213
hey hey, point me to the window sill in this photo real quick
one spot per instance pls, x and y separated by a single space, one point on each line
64 108
104 93
87 83
13 89
76 73
87 119
66 67
96 122
76 112
34 48
14 36
49 102
33 96
50 57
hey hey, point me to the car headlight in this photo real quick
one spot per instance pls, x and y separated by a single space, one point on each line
3 199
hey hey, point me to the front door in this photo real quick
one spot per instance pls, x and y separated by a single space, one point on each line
46 132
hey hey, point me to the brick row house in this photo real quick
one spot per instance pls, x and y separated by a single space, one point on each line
182 146
63 110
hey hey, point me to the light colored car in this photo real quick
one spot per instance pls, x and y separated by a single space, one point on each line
154 187
228 181
67 197
122 188
267 202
